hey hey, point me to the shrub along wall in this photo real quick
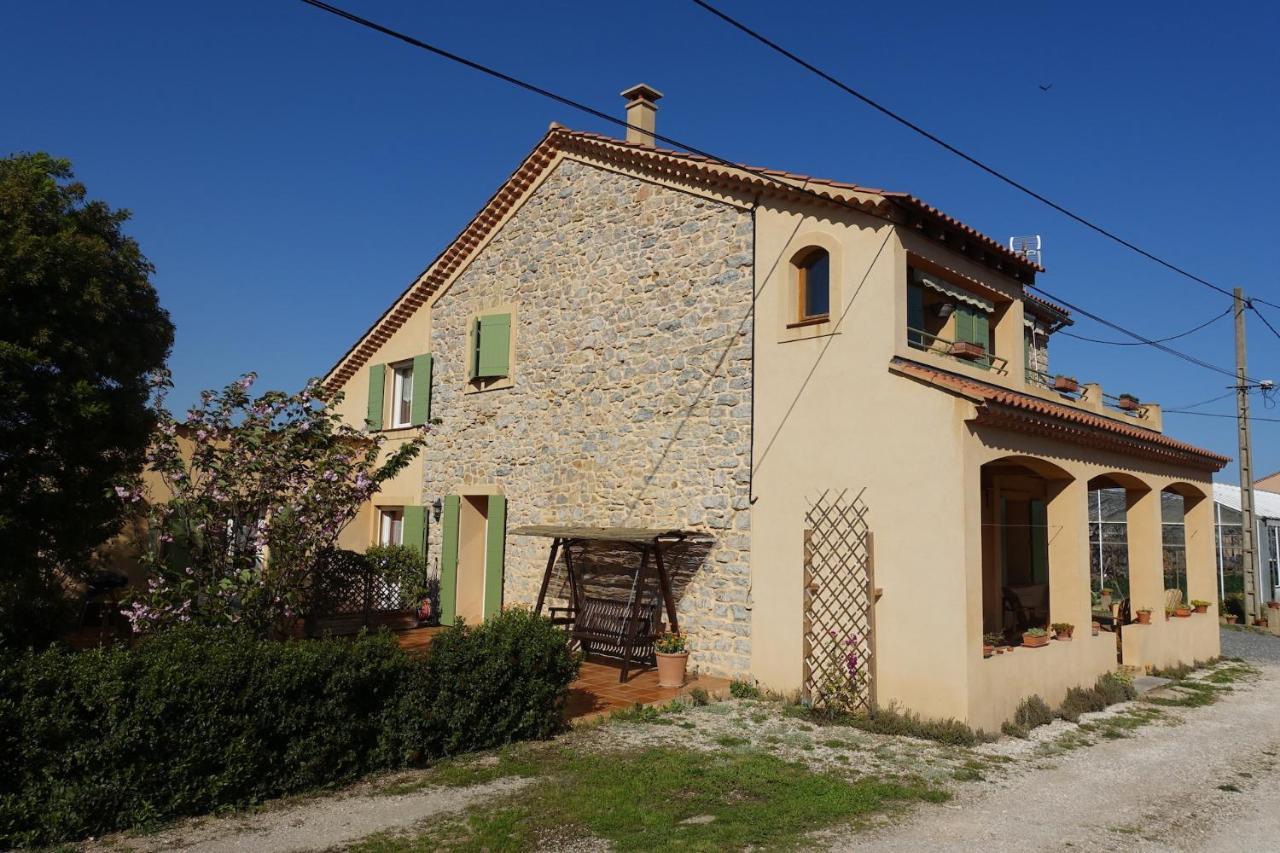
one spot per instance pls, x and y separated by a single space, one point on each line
194 719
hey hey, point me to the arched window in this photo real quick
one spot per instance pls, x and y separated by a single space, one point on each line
813 284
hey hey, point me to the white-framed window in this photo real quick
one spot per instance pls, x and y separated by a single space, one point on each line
391 526
402 395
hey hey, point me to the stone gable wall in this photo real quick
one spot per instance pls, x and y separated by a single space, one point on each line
631 402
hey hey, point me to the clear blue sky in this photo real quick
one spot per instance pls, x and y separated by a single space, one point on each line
290 173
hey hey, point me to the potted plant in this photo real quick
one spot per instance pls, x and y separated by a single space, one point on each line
1104 598
1065 383
965 349
1063 630
1033 638
672 652
989 644
1144 615
1231 618
1129 403
1182 611
1200 605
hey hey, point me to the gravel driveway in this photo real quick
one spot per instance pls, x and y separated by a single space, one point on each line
1211 783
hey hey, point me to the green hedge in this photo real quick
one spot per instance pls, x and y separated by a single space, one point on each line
196 719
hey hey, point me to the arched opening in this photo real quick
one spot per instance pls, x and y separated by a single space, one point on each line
1110 496
813 284
1175 501
1017 493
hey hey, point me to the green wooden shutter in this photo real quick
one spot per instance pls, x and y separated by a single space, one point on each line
982 336
964 324
413 534
493 355
495 548
377 384
420 406
915 315
1039 542
449 560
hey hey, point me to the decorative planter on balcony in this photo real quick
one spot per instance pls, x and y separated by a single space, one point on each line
1032 642
1129 403
1182 612
1144 617
1065 383
966 350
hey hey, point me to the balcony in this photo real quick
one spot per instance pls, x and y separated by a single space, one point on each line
966 352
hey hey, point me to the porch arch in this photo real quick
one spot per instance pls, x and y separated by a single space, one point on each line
1032 574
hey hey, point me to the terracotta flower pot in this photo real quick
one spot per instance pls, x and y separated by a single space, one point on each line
1202 608
1065 383
1232 618
965 349
1182 612
671 668
988 651
1035 642
1274 605
1144 617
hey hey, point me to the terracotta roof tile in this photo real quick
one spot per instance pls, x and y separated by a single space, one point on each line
889 205
1025 412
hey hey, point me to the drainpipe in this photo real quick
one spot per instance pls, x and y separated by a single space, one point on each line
755 272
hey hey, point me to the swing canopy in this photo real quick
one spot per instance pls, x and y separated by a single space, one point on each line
624 625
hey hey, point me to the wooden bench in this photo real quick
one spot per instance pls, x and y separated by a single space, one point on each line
604 627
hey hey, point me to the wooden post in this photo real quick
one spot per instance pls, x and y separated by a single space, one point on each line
633 621
873 595
546 578
1248 525
665 583
574 592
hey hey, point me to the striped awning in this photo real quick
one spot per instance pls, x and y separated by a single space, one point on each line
956 292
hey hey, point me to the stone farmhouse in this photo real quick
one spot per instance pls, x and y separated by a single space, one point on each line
843 391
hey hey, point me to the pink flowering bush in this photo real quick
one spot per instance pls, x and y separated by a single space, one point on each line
260 487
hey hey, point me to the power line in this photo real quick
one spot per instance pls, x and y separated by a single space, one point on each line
1217 415
1117 327
1154 340
990 170
1181 409
1264 320
677 144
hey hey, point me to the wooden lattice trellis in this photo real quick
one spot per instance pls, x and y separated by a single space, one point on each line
839 603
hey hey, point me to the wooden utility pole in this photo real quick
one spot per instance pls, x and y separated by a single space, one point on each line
1252 601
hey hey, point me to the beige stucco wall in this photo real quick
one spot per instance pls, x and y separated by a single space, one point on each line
405 489
831 415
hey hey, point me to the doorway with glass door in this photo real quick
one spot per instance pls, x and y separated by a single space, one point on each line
473 551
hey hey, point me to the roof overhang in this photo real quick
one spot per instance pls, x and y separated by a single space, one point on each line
1004 408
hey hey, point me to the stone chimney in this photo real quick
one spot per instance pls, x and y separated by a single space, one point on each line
642 112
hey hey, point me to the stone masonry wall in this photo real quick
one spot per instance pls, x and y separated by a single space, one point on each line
631 403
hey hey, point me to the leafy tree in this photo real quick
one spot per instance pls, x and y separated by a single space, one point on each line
260 488
80 331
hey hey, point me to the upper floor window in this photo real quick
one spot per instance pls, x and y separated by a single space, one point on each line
402 395
813 284
948 319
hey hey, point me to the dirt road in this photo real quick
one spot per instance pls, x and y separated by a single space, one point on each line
1211 783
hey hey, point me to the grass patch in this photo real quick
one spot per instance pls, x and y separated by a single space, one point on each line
666 799
1232 673
1192 694
730 740
966 774
1229 787
743 690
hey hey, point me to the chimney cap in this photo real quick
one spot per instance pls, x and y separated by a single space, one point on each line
641 92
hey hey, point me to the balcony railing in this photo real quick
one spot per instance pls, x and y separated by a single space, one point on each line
964 351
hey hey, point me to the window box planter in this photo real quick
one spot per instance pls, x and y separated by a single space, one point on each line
1065 383
1129 403
1144 617
966 350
